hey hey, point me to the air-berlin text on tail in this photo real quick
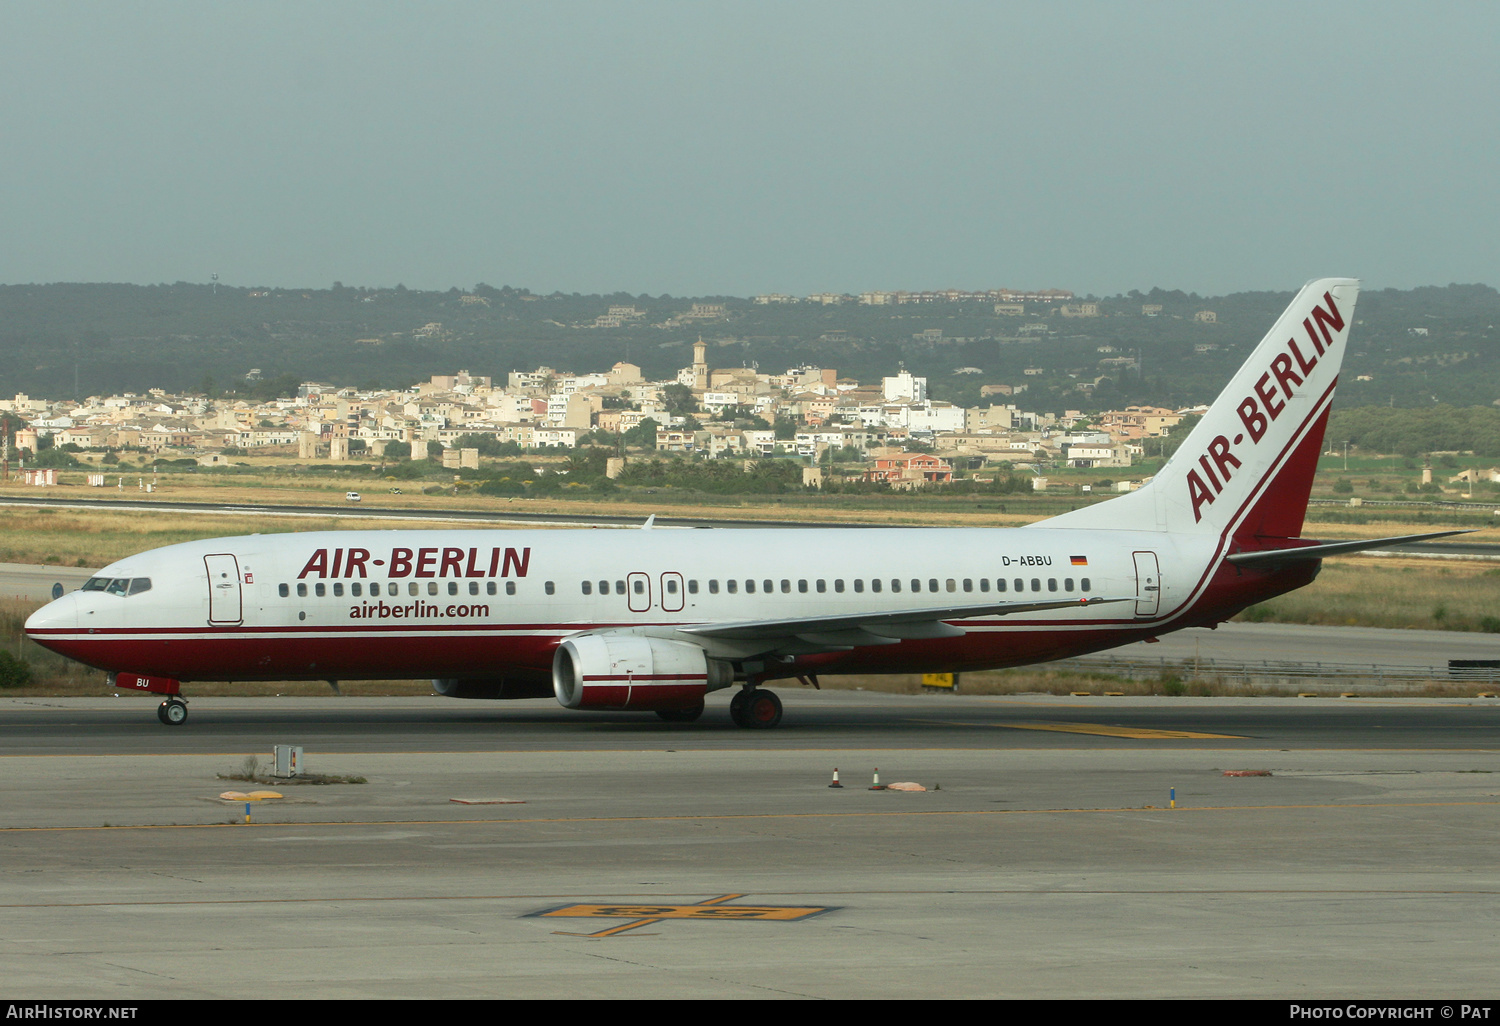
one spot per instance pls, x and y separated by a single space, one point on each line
420 562
1290 367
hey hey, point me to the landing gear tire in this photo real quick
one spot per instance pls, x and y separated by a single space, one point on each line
755 709
681 715
172 712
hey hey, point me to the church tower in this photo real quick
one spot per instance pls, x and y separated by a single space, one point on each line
700 365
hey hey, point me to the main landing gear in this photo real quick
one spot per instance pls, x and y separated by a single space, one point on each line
755 708
172 712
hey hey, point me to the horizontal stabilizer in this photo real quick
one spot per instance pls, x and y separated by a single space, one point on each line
1284 557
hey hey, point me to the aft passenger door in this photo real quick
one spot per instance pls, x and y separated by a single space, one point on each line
225 605
1147 584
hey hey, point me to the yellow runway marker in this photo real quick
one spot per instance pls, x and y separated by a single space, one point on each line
1102 729
1106 730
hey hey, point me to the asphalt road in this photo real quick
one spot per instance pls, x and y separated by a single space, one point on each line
814 720
639 859
1311 645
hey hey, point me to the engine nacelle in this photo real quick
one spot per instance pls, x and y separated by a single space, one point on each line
492 687
627 671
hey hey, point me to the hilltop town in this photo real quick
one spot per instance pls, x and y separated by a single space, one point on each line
892 432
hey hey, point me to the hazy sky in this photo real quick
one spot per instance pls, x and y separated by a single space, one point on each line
735 148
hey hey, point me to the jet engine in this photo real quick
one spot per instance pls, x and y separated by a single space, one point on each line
627 671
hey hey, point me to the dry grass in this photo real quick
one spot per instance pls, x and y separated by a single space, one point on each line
1454 595
1363 591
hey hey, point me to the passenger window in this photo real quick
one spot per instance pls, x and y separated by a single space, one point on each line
713 586
749 587
859 584
411 588
768 586
732 586
489 587
671 586
822 586
916 585
786 586
1067 584
838 585
302 589
510 587
1036 584
550 588
356 589
895 584
473 587
338 591
1085 584
452 587
320 589
588 587
875 584
932 584
984 584
283 590
1020 584
692 587
640 586
802 587
432 587
951 584
1052 584
1000 584
619 587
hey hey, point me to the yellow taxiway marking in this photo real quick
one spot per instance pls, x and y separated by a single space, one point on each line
1108 730
1102 729
645 915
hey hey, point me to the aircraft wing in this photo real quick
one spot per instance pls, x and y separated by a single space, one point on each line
878 628
1272 558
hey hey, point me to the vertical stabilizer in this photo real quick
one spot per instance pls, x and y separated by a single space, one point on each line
1248 466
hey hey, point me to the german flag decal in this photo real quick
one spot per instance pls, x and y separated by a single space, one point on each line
1080 560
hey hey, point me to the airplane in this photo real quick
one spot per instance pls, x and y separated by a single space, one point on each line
654 620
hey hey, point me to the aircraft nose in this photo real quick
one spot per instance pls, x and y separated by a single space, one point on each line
59 614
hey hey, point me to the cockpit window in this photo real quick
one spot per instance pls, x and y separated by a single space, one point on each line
118 585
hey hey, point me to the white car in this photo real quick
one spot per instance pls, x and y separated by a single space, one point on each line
352 496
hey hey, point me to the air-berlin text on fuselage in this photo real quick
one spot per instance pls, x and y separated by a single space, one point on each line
436 561
1263 405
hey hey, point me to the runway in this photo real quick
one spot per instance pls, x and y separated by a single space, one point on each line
646 859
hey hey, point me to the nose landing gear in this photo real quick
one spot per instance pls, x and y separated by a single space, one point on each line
172 712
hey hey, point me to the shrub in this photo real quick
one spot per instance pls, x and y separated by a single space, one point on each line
14 671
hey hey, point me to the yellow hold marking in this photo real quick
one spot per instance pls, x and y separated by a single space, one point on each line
1106 730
